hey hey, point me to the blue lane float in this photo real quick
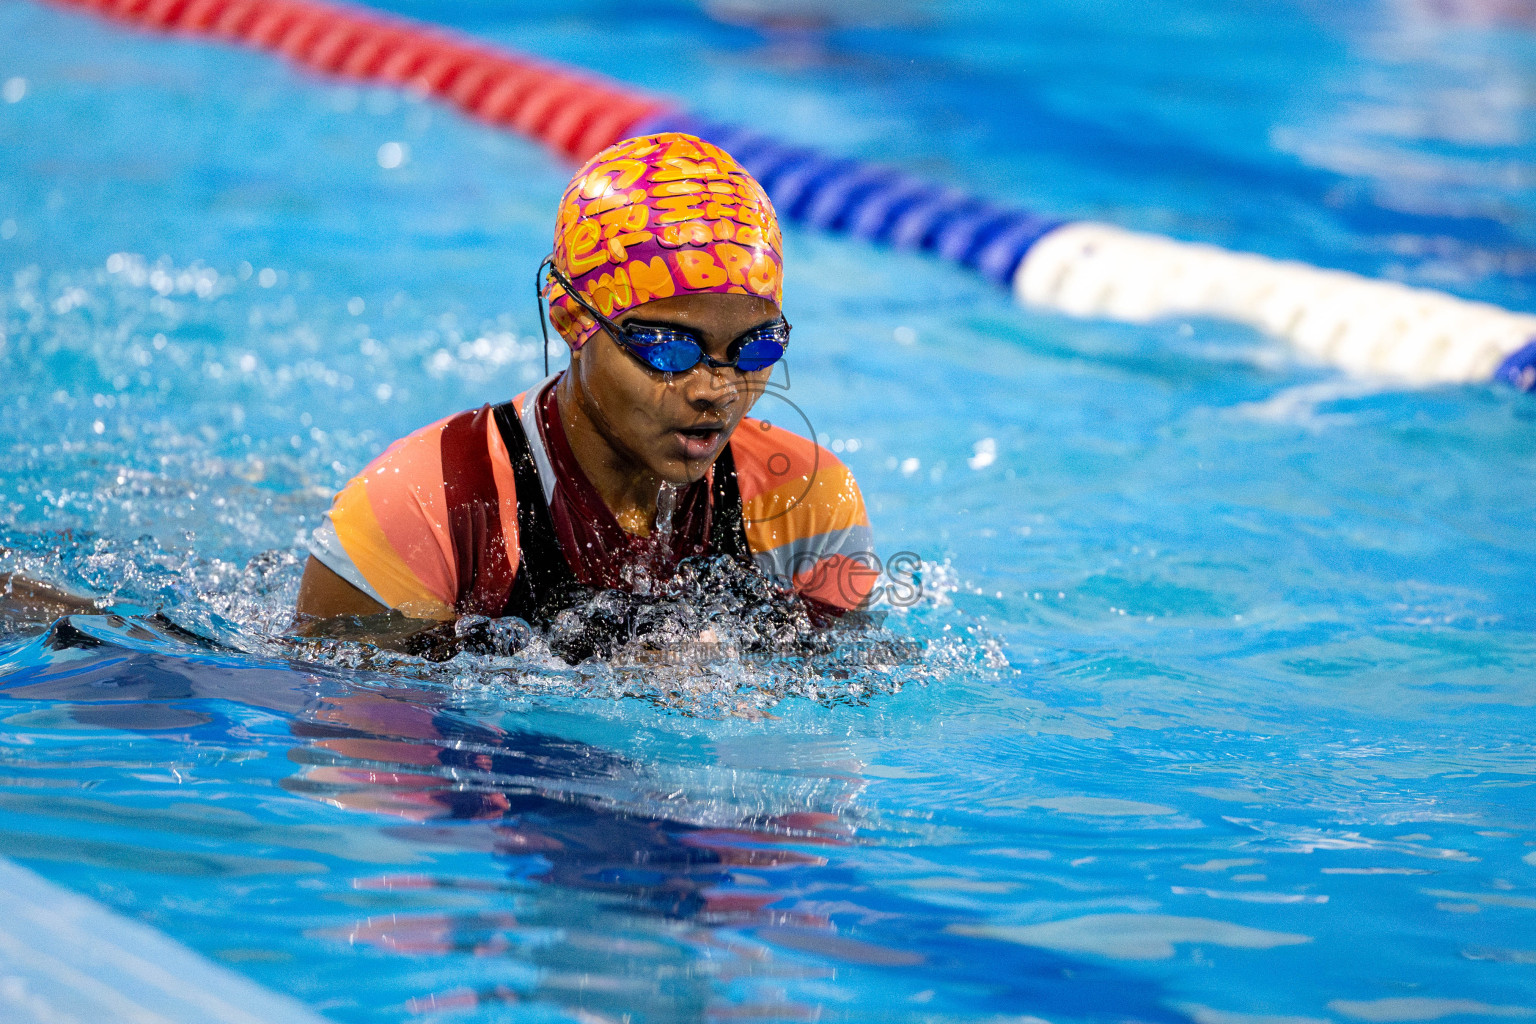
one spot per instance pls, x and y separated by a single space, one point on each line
1087 269
873 203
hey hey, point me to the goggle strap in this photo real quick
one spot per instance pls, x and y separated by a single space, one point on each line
539 277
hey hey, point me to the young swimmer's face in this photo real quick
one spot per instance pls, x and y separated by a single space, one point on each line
673 424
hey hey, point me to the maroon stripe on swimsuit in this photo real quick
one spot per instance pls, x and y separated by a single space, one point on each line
474 514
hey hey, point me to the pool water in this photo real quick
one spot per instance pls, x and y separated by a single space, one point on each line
1224 711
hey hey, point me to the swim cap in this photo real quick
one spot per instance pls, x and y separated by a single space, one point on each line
661 215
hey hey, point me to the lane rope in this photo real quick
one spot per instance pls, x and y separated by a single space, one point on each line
573 113
1362 325
1081 268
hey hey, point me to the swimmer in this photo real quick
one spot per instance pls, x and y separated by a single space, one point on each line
666 283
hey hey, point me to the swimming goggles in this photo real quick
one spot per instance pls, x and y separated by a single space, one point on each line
674 349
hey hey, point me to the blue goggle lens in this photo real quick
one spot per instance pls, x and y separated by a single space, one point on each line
761 350
677 352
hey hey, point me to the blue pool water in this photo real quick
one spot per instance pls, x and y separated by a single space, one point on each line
1226 709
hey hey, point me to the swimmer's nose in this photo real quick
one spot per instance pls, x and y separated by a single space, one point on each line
712 387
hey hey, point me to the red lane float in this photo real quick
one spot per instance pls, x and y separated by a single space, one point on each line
575 115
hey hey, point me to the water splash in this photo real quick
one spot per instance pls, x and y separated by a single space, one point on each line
644 576
715 639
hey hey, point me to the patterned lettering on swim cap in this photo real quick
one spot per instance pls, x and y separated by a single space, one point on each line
661 215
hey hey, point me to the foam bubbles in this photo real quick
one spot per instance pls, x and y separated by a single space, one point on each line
716 641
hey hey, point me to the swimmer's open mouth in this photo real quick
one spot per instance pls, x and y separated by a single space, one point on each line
699 442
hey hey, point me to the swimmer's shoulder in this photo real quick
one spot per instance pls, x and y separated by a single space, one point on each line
781 473
455 461
428 453
804 515
770 456
401 528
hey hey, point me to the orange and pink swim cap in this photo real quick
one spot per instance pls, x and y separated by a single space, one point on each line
661 215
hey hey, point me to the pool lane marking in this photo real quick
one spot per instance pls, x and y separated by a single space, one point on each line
65 957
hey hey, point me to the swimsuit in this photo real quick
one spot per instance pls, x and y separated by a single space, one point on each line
487 513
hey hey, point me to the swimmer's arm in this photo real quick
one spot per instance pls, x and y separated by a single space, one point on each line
329 606
21 597
325 595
